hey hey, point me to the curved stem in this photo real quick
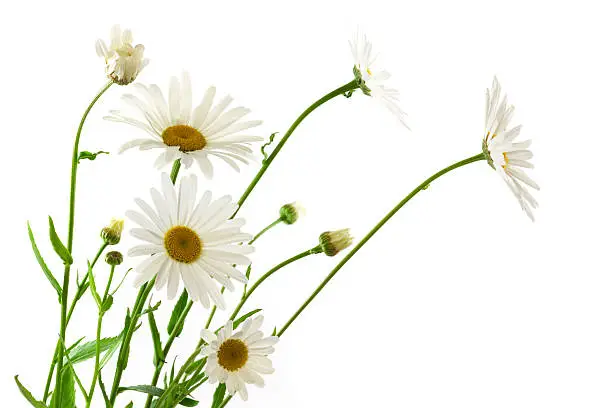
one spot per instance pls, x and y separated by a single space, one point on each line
66 285
374 230
315 250
267 162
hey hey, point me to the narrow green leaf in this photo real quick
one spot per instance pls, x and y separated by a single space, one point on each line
158 354
130 405
67 393
111 350
88 350
157 392
28 395
218 397
59 247
263 148
194 366
92 286
89 155
150 309
181 304
43 265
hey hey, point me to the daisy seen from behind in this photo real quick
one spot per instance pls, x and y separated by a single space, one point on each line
372 81
187 133
503 153
238 357
123 60
191 241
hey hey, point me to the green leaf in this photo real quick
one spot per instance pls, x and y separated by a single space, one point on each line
88 350
67 392
181 304
150 309
241 319
194 366
130 405
263 147
111 350
92 286
89 155
28 395
59 247
157 392
43 265
107 304
158 354
218 397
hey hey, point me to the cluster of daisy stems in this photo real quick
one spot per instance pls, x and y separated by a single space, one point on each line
197 240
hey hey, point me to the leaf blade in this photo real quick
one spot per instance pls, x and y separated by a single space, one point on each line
58 245
43 265
28 395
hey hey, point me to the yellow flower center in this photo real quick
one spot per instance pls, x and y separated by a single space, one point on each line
189 139
233 354
183 244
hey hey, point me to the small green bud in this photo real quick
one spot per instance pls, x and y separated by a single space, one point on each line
112 234
114 258
332 242
290 213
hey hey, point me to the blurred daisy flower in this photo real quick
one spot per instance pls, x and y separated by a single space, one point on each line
506 156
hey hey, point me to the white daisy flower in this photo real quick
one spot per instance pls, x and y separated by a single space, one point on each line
238 358
188 134
195 243
123 61
505 155
372 82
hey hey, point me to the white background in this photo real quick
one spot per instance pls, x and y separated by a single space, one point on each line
460 301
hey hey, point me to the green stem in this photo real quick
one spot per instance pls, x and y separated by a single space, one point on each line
374 230
225 401
98 336
267 162
315 250
263 231
66 285
127 337
59 341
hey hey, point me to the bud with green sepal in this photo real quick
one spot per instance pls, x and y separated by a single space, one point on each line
111 234
332 242
290 213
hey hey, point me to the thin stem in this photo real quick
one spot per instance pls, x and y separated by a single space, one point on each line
101 312
127 337
225 401
374 230
59 341
315 250
267 162
66 285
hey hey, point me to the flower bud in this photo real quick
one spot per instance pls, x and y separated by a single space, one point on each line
114 258
124 61
290 213
112 234
332 242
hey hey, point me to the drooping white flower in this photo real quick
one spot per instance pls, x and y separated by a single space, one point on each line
237 358
372 81
505 155
123 61
195 242
186 134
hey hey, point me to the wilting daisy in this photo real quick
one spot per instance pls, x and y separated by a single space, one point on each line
238 358
505 155
372 82
186 134
195 243
123 61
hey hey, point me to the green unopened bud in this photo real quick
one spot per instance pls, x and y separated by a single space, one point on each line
332 242
112 234
290 213
114 258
